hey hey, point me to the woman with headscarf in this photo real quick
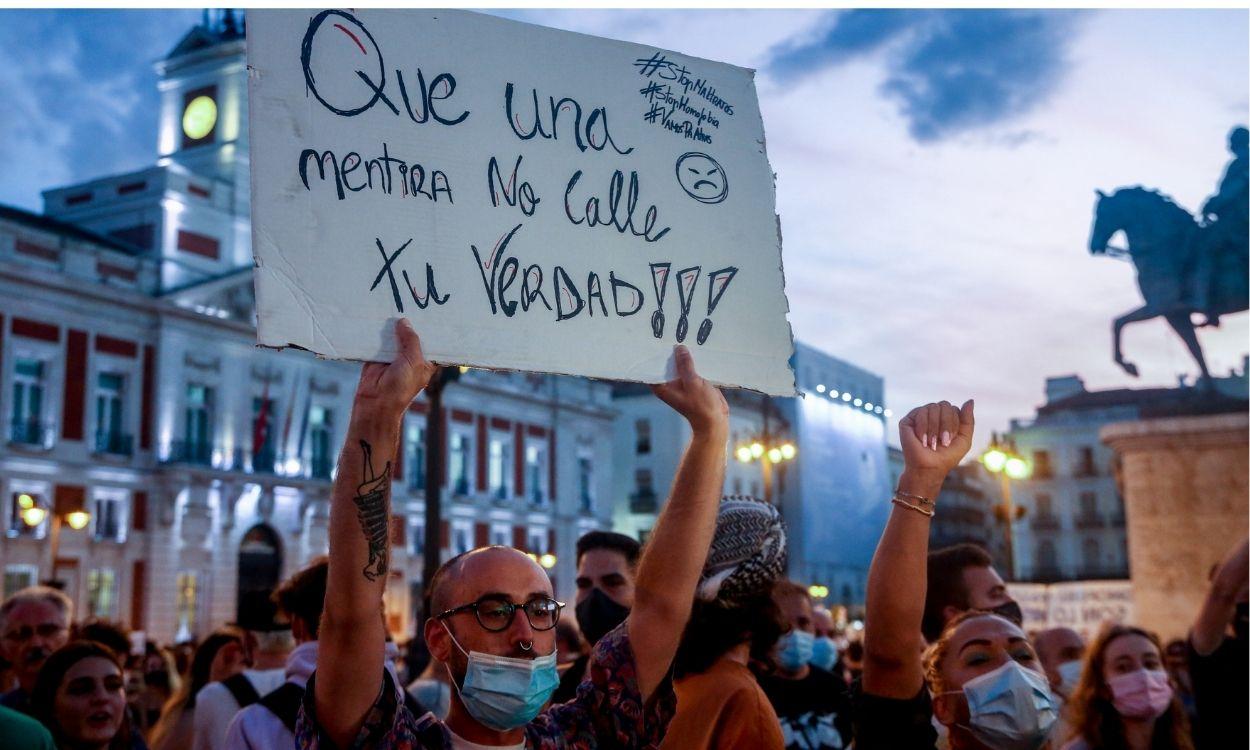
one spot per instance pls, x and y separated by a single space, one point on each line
734 622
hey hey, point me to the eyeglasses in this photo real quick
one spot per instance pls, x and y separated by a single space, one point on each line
496 614
26 632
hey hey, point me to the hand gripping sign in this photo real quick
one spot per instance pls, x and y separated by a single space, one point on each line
531 199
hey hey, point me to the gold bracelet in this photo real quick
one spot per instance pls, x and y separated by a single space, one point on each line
900 501
918 498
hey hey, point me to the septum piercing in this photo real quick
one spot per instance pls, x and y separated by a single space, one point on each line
527 646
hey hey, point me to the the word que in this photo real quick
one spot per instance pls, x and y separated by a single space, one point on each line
353 90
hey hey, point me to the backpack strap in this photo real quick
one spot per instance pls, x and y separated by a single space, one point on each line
242 689
284 703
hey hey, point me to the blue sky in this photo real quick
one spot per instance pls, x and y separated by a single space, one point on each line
935 169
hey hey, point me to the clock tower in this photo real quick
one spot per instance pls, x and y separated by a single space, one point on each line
203 114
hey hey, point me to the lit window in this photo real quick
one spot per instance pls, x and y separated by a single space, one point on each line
536 474
18 577
198 433
459 460
499 467
414 456
185 605
101 593
321 436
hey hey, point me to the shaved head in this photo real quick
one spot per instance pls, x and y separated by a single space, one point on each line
465 577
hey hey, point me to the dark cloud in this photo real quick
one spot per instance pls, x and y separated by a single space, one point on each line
950 71
80 90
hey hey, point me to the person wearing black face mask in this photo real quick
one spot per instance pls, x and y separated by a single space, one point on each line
606 563
961 578
1218 652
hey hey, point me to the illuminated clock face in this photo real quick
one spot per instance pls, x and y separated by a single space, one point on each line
199 117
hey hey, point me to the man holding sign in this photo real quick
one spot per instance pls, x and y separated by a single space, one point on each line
494 615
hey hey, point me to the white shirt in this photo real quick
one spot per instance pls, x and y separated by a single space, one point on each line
215 707
460 743
256 727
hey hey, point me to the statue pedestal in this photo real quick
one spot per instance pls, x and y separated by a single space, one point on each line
1184 481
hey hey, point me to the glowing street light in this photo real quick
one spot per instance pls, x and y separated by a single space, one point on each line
1002 459
33 514
769 448
816 591
547 560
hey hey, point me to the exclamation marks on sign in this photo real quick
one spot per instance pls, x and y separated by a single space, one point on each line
718 282
659 279
687 279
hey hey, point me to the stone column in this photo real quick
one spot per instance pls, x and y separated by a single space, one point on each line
1184 481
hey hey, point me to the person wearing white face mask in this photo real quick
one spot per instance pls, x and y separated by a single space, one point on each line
825 649
811 703
1060 651
1125 699
981 678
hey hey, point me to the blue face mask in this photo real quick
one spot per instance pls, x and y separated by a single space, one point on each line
1011 708
824 654
502 692
795 650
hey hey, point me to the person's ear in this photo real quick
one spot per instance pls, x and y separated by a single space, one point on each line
437 640
946 708
950 612
299 630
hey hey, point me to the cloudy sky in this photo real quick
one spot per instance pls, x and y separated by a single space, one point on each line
935 169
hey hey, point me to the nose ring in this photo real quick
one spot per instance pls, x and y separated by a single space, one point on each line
527 646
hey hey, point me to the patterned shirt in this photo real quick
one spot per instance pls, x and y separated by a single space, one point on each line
608 712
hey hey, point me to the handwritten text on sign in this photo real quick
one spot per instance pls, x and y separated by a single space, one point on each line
532 199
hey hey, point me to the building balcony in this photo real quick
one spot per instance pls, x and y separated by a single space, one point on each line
538 501
460 488
30 433
416 482
195 453
643 501
115 443
1084 471
1090 521
1046 522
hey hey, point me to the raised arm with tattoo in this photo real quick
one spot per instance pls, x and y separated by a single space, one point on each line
352 637
934 439
674 555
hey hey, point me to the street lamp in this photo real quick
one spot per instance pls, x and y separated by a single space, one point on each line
816 591
769 448
34 514
1002 459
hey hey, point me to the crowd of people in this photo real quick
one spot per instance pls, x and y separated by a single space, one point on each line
693 640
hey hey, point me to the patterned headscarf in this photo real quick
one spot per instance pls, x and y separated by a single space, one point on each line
748 552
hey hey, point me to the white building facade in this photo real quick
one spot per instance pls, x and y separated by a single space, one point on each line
130 387
1074 524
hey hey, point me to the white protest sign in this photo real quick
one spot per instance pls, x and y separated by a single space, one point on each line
531 199
1081 605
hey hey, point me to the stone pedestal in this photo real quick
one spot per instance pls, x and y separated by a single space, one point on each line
1184 481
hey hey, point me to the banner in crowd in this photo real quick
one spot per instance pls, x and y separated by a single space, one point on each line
531 199
1081 605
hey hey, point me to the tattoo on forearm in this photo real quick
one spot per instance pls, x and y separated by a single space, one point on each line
374 515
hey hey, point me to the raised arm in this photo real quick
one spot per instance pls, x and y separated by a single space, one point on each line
352 638
1227 588
934 439
677 549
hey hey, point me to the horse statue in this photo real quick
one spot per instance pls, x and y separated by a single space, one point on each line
1183 266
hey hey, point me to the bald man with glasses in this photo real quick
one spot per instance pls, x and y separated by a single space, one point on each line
494 627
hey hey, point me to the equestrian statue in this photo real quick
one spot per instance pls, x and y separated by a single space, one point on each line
1186 265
